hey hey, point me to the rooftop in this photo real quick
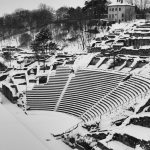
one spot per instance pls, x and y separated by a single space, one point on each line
120 3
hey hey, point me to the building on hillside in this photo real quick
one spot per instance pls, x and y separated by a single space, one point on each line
120 10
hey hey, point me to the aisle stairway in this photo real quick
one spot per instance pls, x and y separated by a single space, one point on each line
45 97
86 88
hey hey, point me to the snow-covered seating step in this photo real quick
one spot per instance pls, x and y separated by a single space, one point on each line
125 93
45 97
86 88
143 83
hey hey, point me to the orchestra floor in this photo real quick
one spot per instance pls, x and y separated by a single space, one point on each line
32 131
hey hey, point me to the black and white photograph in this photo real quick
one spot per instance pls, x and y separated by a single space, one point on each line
74 74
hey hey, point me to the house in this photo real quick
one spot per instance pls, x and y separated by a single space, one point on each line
120 10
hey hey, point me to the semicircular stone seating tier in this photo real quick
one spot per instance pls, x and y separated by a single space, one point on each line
45 97
86 88
124 93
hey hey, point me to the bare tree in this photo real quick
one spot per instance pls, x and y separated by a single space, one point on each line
46 7
130 2
82 39
145 3
142 4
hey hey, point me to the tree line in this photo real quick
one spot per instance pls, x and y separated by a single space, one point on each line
62 21
24 20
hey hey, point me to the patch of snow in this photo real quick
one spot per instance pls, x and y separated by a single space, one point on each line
115 145
143 132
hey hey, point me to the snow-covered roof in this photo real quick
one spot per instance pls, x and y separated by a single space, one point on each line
124 3
142 29
145 47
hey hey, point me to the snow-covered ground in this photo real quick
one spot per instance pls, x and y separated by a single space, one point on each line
15 136
115 145
32 131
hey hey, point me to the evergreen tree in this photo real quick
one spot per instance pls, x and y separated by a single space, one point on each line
95 8
39 45
43 36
